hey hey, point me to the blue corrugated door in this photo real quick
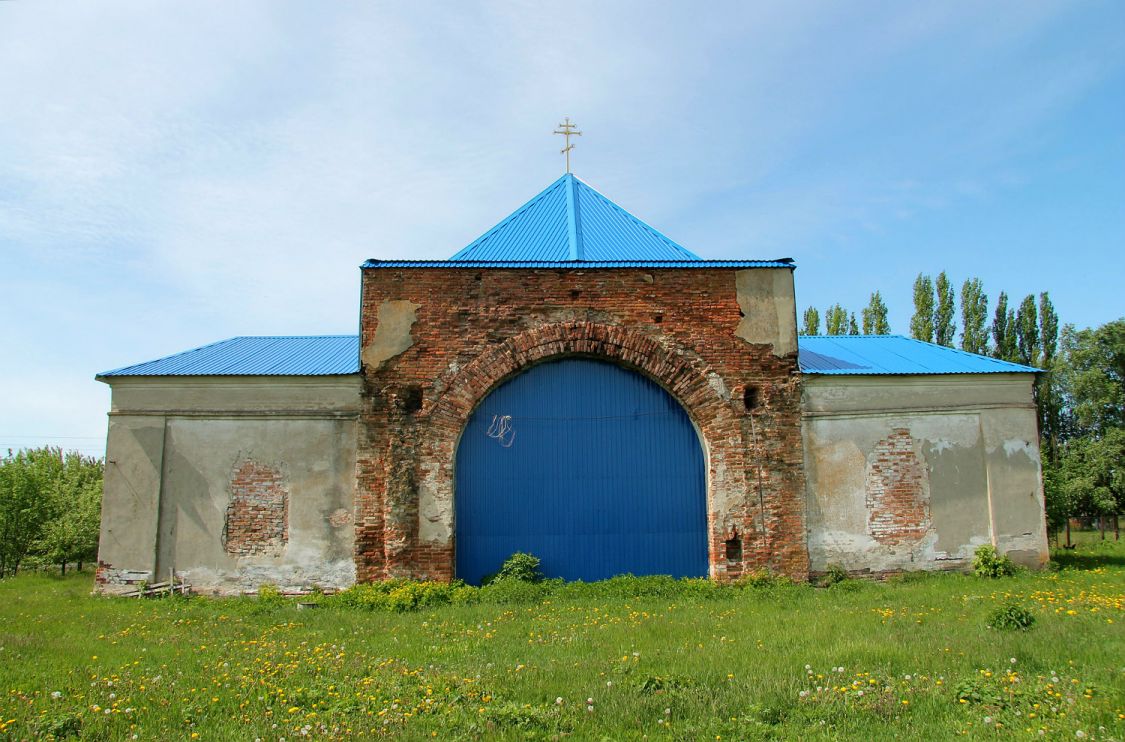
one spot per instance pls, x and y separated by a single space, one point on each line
591 467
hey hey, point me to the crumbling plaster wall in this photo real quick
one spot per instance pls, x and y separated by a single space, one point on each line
959 452
435 342
230 482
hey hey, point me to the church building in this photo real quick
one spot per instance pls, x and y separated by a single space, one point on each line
575 385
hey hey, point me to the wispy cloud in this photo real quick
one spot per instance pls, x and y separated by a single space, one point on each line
172 173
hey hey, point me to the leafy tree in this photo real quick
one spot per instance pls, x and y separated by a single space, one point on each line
1027 332
812 322
1090 370
974 317
1092 473
72 534
853 328
922 323
1003 330
944 327
875 317
1048 398
836 320
50 506
1048 329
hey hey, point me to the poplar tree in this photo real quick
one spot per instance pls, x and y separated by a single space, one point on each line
836 320
1027 331
812 322
1047 392
853 328
974 317
1003 330
944 327
1048 329
922 323
875 317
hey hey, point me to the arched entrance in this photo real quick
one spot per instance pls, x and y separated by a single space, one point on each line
593 468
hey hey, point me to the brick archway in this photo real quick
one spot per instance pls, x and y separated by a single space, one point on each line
409 531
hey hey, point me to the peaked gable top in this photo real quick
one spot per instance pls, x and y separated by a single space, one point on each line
571 222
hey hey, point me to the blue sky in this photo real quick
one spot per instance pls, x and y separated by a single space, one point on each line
175 173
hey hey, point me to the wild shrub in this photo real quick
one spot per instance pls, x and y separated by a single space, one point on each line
663 683
59 726
1011 617
507 591
762 579
988 562
269 594
522 567
399 596
833 574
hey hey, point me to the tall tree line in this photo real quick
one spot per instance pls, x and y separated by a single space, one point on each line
1079 392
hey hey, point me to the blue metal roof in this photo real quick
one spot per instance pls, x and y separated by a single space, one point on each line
568 221
850 355
325 355
571 223
578 264
318 355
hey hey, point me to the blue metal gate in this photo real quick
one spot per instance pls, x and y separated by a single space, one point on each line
592 468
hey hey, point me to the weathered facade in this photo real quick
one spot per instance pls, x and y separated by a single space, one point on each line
714 338
230 481
916 472
324 461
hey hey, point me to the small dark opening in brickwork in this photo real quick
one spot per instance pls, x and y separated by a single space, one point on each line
658 318
411 398
751 397
575 293
734 549
257 520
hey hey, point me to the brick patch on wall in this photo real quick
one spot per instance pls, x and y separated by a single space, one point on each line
898 508
257 521
473 330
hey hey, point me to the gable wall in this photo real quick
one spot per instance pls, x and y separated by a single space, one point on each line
229 482
915 472
434 342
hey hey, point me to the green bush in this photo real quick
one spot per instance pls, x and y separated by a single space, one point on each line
269 594
522 567
1011 617
988 562
399 596
762 579
833 574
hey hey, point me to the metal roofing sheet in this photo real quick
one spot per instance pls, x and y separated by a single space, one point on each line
318 355
570 221
850 355
324 355
580 264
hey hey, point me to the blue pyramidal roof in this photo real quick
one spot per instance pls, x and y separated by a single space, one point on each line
569 222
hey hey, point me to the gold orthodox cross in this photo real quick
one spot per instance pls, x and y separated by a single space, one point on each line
567 129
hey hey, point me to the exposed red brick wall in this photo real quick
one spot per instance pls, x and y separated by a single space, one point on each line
898 508
475 329
257 520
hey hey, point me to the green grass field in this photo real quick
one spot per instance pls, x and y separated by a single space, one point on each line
909 659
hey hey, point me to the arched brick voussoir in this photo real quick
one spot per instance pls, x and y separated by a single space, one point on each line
698 388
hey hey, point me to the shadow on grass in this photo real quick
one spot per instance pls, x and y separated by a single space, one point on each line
1091 555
